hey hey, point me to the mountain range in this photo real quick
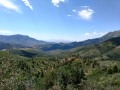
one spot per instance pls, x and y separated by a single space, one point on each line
21 41
67 46
94 63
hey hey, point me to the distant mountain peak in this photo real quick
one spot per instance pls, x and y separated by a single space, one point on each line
21 39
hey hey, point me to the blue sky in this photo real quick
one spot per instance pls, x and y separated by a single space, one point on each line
72 20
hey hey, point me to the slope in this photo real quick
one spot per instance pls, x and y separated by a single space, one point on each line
67 46
21 39
107 50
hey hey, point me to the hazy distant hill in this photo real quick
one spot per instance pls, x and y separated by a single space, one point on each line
21 39
67 46
24 40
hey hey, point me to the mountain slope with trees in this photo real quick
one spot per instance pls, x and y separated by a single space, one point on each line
67 46
109 49
90 67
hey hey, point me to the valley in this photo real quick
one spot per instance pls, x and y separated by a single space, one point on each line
72 66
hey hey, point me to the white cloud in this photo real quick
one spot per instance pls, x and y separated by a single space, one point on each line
26 2
69 15
74 10
86 14
87 34
5 32
9 5
94 34
56 2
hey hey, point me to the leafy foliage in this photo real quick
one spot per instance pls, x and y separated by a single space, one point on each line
93 67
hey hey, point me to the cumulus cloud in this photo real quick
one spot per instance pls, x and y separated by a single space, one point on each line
56 2
86 14
26 2
9 5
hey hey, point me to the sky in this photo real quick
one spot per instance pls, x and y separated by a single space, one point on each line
52 20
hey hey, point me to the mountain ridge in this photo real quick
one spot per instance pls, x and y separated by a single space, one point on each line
109 49
81 43
26 41
23 40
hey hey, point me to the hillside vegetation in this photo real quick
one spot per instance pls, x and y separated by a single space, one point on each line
90 67
94 67
49 73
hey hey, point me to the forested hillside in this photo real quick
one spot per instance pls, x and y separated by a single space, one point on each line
93 67
59 45
103 51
